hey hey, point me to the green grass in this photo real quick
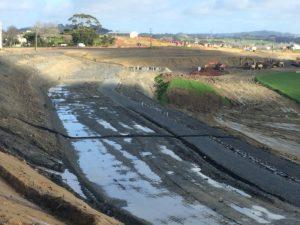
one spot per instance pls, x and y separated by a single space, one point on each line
285 83
191 86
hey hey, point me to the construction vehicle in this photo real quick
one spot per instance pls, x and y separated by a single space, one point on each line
279 64
296 63
216 66
210 69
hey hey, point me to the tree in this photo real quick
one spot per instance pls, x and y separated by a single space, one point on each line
31 36
84 35
104 40
84 20
11 35
85 28
48 31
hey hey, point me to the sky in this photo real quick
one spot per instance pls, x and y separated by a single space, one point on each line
163 16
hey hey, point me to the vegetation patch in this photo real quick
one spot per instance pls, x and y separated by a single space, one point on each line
285 83
191 86
190 94
161 89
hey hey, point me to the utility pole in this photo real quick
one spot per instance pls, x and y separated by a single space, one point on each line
150 40
37 29
36 37
0 35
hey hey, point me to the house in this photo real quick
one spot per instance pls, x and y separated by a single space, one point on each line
134 34
253 48
21 40
80 45
295 47
268 48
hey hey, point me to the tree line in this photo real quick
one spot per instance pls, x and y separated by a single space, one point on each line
84 29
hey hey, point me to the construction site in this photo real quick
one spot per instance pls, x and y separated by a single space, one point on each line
85 139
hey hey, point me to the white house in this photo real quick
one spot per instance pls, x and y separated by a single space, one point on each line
80 45
22 41
295 47
134 34
253 48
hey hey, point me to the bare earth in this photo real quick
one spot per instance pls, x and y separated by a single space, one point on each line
259 115
15 210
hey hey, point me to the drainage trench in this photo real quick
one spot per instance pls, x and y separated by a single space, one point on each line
145 172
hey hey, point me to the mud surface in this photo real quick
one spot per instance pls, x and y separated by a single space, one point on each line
157 180
259 113
130 157
254 106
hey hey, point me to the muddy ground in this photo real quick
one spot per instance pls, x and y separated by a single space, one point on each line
258 114
25 121
262 116
139 158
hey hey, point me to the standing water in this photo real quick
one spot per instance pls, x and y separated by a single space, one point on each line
121 169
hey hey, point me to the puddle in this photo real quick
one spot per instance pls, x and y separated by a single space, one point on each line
125 126
71 180
142 128
58 90
143 197
258 213
170 172
144 154
217 184
73 127
129 180
140 166
128 140
106 125
169 152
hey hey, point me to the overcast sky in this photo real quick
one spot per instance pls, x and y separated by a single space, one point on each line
190 16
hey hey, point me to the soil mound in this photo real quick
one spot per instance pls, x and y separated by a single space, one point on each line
194 102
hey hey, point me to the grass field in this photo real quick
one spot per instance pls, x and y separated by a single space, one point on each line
285 83
191 86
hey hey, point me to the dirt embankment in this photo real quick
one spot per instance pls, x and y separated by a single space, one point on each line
43 192
26 116
258 113
254 112
27 212
176 59
23 103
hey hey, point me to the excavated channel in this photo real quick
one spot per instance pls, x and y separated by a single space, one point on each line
145 172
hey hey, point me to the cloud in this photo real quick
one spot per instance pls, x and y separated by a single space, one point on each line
162 15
